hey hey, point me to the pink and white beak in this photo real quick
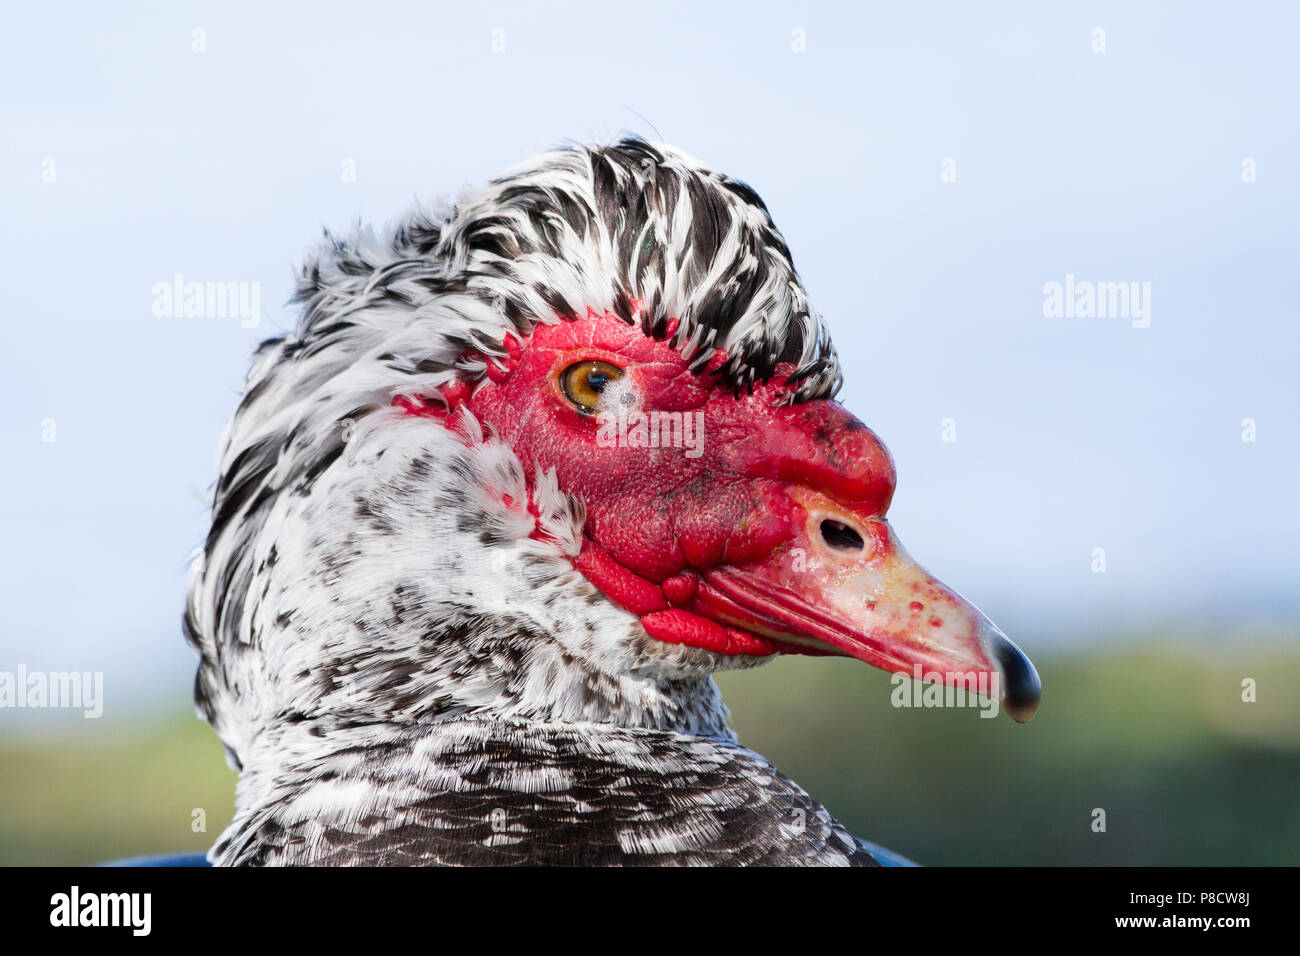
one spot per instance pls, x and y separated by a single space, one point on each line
843 585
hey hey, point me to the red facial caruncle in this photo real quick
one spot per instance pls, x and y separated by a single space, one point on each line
759 529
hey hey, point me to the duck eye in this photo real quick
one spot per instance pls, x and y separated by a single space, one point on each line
583 382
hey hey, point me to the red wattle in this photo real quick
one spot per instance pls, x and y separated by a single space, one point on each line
680 588
628 590
682 627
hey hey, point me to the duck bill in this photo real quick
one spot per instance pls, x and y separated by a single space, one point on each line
847 587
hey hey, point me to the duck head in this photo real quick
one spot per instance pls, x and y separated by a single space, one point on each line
561 451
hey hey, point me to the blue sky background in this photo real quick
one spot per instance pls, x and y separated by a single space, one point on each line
1072 434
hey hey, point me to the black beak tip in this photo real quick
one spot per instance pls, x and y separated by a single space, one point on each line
1021 688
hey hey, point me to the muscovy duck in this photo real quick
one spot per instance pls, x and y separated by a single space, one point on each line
529 470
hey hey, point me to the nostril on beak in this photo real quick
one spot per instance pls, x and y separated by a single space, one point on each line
839 536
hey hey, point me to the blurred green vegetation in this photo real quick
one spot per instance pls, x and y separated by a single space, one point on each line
117 790
1158 737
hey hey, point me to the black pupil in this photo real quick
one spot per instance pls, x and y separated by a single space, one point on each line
840 536
597 379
